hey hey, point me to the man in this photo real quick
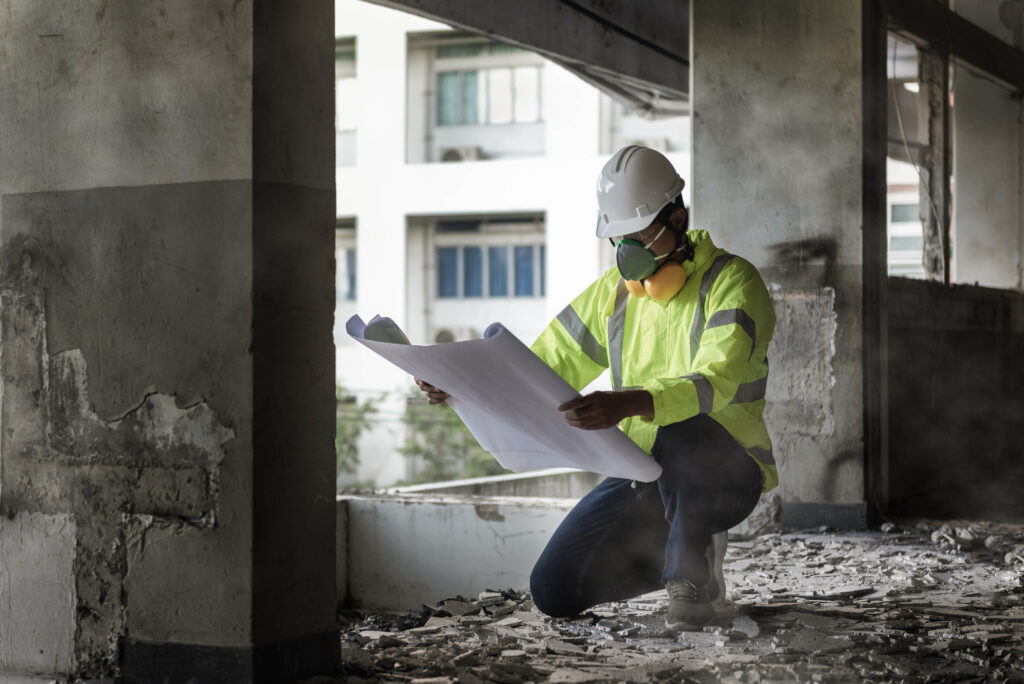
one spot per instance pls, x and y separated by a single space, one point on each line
684 328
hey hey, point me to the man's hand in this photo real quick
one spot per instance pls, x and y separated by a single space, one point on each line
600 410
434 395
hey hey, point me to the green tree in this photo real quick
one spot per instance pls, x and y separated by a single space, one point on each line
441 442
353 418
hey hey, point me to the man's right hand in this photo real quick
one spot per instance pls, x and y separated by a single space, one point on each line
434 395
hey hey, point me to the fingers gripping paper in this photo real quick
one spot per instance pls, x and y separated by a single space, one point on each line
508 399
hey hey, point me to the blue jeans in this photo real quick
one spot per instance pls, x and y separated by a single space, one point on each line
621 541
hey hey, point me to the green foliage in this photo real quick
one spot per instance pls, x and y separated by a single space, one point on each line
353 418
442 444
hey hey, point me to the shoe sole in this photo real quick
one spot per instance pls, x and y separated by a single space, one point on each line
682 626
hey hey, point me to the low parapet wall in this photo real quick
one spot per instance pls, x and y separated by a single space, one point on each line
398 551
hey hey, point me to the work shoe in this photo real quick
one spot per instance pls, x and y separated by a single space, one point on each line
689 606
716 556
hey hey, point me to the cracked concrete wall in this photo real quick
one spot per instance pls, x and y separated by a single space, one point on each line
154 460
777 150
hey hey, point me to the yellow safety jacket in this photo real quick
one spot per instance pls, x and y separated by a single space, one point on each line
702 351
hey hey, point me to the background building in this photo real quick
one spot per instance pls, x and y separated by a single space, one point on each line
465 175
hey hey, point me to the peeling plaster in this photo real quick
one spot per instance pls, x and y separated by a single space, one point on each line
154 464
802 355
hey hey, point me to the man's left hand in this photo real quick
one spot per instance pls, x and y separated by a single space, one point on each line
600 410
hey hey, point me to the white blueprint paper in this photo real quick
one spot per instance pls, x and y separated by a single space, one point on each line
508 399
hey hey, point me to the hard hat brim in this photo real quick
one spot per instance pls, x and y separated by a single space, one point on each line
610 229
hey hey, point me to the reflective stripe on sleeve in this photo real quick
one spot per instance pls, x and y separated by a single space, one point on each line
705 392
579 331
616 325
710 275
738 317
751 391
762 455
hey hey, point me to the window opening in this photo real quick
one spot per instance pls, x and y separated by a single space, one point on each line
346 101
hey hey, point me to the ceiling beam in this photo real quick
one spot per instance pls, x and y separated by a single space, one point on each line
944 29
645 40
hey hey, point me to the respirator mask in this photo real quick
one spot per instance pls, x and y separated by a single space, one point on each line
635 259
646 273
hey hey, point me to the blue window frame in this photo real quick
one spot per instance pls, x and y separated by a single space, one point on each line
345 281
543 269
497 261
350 264
472 272
524 271
458 98
447 272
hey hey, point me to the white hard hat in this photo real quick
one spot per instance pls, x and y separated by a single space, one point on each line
633 187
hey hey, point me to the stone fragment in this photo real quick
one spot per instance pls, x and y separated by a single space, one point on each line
487 598
372 634
746 626
475 620
839 593
458 608
572 676
389 641
499 611
561 647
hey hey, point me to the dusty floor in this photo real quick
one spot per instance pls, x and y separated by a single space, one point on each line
920 603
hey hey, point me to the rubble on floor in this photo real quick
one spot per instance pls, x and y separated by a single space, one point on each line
926 603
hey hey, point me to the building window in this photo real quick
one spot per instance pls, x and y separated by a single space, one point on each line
345 257
346 97
497 258
488 96
524 271
472 272
904 213
466 266
447 272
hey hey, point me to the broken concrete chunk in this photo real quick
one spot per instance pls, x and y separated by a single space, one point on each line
457 608
561 647
487 598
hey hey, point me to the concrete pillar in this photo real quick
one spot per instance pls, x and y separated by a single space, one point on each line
166 270
777 156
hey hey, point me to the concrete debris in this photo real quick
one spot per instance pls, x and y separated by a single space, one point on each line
925 602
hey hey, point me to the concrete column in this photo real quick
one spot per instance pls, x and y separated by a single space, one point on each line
777 154
166 258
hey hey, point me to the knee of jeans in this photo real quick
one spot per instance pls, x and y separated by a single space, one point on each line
548 597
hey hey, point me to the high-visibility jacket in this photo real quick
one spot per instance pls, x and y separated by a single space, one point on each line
702 351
